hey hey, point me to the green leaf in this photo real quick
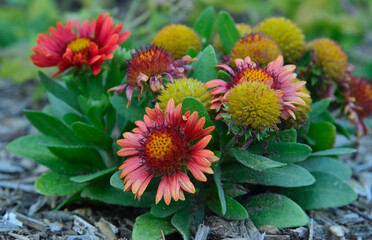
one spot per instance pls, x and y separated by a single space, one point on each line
333 151
82 155
70 118
56 184
33 147
204 68
204 25
224 76
328 191
254 161
192 104
53 127
227 30
234 210
102 191
289 135
319 107
288 176
162 210
114 77
329 165
192 52
275 210
220 191
324 135
132 113
150 228
182 222
284 152
116 181
95 117
234 189
58 91
92 134
92 176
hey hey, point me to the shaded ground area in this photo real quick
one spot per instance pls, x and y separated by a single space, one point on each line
25 214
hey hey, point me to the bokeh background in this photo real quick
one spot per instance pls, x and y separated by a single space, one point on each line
349 22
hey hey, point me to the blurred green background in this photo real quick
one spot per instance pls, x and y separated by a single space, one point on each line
346 21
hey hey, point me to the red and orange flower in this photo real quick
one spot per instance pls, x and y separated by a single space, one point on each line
278 77
149 65
164 145
91 45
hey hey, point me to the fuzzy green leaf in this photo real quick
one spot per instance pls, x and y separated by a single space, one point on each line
333 151
192 104
275 210
53 127
182 222
289 135
324 135
319 107
131 113
56 184
204 25
220 191
148 227
289 176
92 176
234 210
227 30
58 91
102 191
92 134
254 161
284 152
162 210
82 155
328 191
204 68
34 147
329 165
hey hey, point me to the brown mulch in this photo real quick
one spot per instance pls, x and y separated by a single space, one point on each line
25 214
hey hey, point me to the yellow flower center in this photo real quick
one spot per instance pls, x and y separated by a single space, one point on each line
256 75
159 145
79 45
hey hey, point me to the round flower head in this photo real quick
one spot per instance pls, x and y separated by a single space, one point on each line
243 30
287 34
253 104
91 44
176 39
164 146
182 88
149 65
301 113
259 47
278 77
330 57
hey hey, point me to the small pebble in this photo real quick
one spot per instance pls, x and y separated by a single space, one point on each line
337 230
268 229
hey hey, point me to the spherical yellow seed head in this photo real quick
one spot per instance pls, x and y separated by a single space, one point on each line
253 104
287 34
331 58
259 47
176 39
301 113
182 88
243 29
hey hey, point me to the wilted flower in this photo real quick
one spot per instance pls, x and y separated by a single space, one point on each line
149 65
287 34
176 39
164 146
278 77
259 47
91 45
182 88
358 93
330 57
